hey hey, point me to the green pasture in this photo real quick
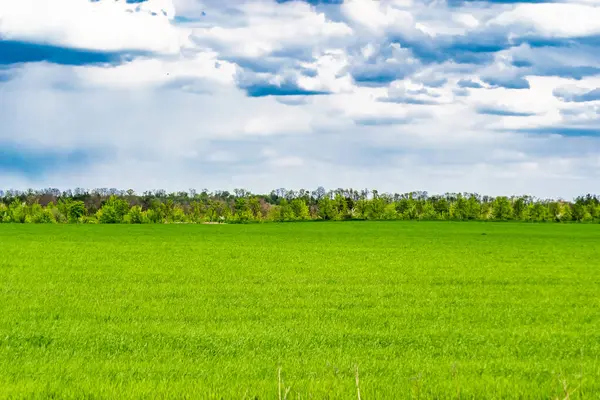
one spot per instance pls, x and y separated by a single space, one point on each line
419 309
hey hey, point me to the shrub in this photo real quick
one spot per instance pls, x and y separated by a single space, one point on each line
136 216
4 216
40 215
154 216
113 211
17 212
76 211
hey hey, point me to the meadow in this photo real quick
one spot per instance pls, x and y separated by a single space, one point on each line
444 310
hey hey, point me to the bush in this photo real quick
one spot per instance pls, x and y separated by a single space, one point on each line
40 215
76 211
4 217
136 216
17 212
154 216
178 214
113 211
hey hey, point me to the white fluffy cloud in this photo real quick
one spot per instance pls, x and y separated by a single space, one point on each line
98 26
270 27
553 19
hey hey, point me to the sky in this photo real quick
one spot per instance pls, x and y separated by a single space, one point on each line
496 97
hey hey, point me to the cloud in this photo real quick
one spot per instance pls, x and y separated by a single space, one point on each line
102 25
577 95
552 19
574 59
284 89
381 65
570 131
467 83
382 121
507 82
265 28
410 93
398 95
14 52
32 162
503 112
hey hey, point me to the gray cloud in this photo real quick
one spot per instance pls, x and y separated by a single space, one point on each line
577 95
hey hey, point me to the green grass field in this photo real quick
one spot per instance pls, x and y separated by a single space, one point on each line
425 310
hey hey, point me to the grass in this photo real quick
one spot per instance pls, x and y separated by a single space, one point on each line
316 310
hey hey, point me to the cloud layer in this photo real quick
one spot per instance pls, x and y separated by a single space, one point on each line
497 97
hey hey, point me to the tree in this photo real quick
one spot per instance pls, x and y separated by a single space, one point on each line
459 209
327 211
473 208
520 209
427 211
581 213
113 211
286 212
17 212
340 206
256 209
115 206
41 215
502 209
565 212
300 209
136 216
538 212
442 207
242 212
389 213
4 216
76 211
218 210
376 207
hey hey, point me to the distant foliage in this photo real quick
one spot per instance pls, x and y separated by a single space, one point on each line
112 206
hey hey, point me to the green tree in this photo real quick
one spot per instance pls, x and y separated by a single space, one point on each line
136 216
520 209
197 211
327 211
375 208
4 215
486 210
473 208
113 211
340 206
360 209
427 212
565 213
71 210
286 212
17 212
459 209
178 214
218 210
41 215
76 211
502 209
300 209
155 212
389 213
256 208
441 207
538 212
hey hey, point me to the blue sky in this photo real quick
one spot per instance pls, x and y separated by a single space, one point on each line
494 97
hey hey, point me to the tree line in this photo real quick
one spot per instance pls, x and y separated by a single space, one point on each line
113 206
